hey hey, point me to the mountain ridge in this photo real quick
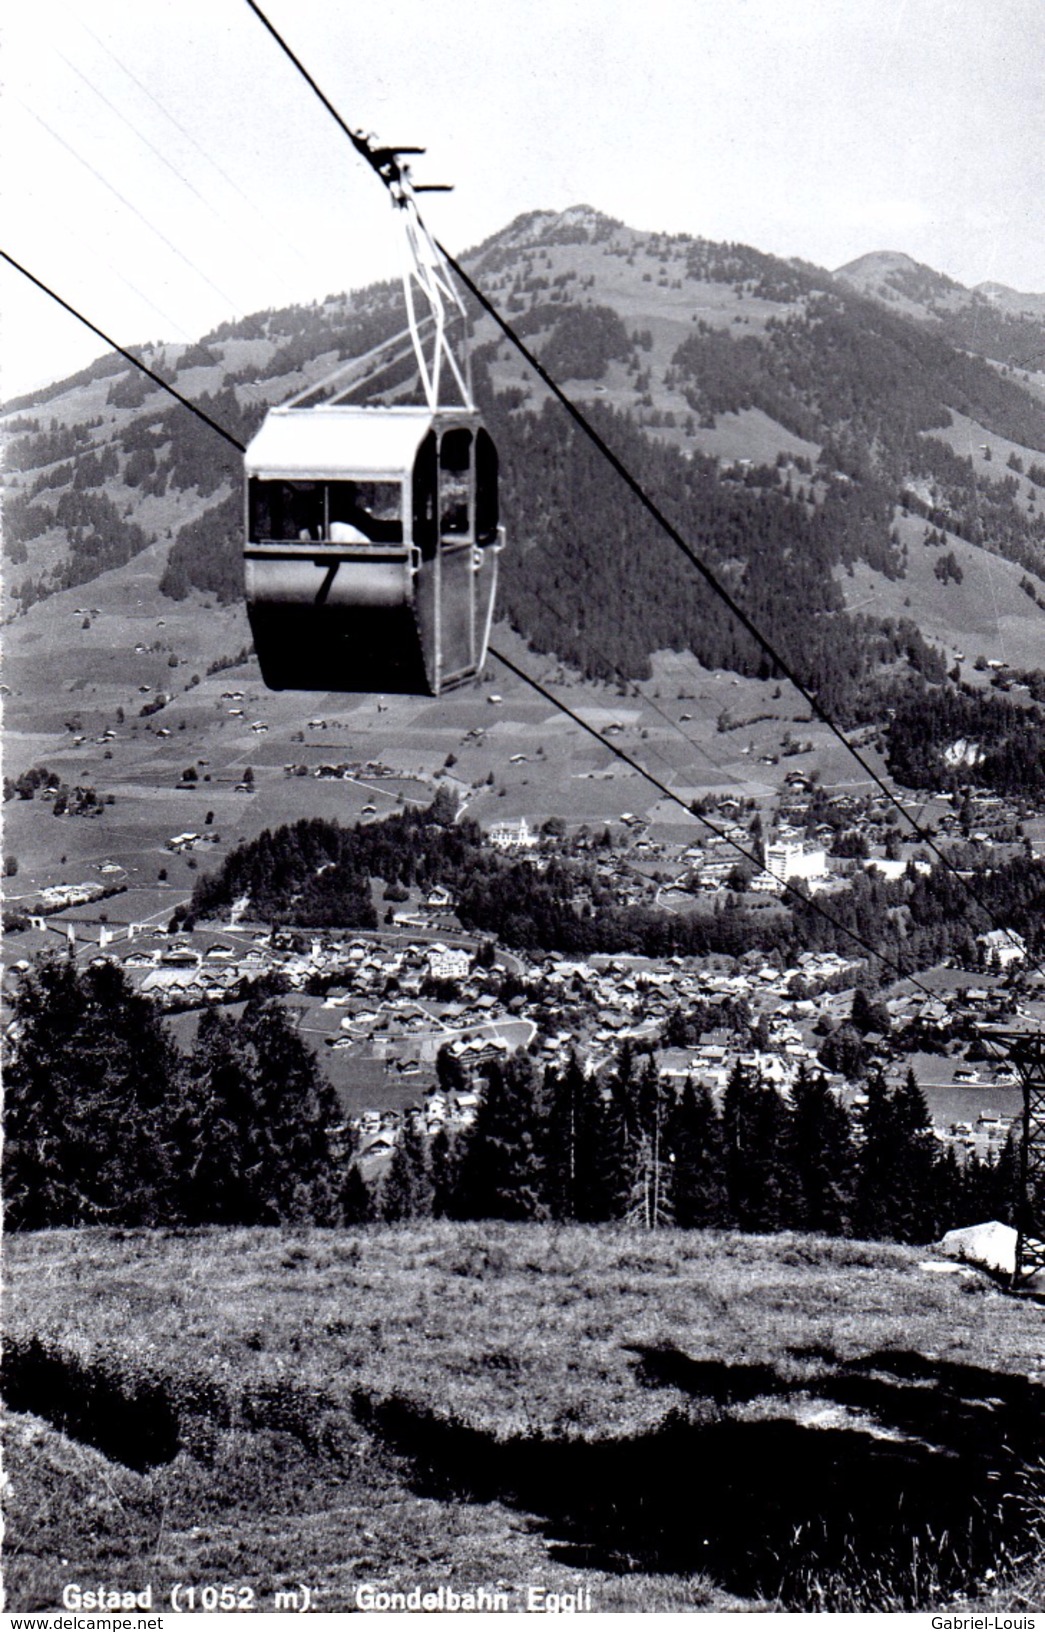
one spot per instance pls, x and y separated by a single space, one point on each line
1001 323
773 398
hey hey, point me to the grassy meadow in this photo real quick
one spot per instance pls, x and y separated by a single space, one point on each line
674 1420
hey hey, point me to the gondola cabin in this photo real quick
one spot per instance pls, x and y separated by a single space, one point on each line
372 539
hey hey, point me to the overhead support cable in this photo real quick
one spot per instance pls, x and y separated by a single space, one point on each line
165 385
535 685
289 244
118 114
128 205
385 163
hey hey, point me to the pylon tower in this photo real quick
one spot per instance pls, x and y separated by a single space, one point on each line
1026 1050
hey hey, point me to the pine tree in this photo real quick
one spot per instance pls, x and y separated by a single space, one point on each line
755 1136
917 1212
738 1104
1006 1185
300 1112
501 1171
444 1165
572 1128
618 1138
953 1192
872 1215
357 1201
896 1186
695 1138
822 1157
650 1199
771 1203
220 1127
261 1123
92 1086
407 1190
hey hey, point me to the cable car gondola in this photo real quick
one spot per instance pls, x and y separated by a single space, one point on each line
372 533
372 540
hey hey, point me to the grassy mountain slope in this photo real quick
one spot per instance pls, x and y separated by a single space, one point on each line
673 1420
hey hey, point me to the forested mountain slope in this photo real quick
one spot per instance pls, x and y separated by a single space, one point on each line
792 424
992 320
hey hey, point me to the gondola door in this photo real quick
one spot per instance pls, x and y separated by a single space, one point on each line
457 654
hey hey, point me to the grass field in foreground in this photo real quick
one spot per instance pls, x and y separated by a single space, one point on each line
674 1420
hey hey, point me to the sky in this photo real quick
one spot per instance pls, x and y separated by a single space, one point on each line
166 168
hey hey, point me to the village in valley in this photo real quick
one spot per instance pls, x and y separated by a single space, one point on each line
405 1018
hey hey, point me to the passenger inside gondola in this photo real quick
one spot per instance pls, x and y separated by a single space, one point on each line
286 511
365 512
326 512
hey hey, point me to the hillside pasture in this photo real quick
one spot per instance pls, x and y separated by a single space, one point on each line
987 613
673 1419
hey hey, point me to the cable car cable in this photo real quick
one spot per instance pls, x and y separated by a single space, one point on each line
208 203
126 202
123 118
374 158
255 208
377 160
136 361
535 685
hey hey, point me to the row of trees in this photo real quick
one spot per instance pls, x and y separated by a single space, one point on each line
565 1146
316 873
108 1122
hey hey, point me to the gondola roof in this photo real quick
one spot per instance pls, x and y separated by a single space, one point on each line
331 441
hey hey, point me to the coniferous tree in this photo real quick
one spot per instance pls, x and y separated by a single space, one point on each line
1006 1181
755 1135
618 1137
695 1137
822 1156
299 1106
500 1175
875 1204
261 1142
771 1191
91 1090
896 1187
917 1214
572 1130
738 1115
978 1198
450 1073
953 1189
407 1190
444 1170
650 1198
220 1133
357 1200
